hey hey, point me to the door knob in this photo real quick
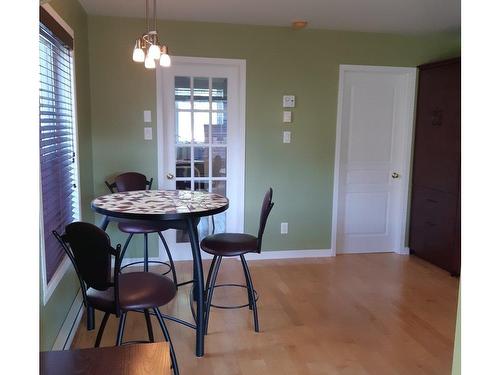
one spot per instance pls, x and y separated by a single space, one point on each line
170 176
395 175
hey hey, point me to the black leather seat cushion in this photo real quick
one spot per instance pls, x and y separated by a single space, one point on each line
153 226
131 227
229 244
138 290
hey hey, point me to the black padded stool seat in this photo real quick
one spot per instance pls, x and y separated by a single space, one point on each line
138 291
230 244
136 228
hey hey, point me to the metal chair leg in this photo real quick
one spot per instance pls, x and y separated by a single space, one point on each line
210 289
209 275
172 265
148 325
167 338
90 318
121 328
122 255
252 294
101 330
249 292
146 255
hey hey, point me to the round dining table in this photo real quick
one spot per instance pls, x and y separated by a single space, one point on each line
182 209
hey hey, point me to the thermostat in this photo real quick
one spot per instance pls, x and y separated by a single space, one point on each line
288 101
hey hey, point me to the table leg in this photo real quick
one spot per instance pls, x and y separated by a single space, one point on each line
104 223
198 286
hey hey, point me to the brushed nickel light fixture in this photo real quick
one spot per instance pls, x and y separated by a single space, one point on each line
148 48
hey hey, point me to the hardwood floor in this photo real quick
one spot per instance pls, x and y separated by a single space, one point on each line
352 314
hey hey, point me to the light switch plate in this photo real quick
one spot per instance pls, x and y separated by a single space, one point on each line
284 228
287 116
287 136
288 101
147 116
148 133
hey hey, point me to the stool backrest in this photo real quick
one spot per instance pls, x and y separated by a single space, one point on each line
267 205
130 181
89 249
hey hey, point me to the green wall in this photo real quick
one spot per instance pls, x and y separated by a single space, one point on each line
53 314
279 60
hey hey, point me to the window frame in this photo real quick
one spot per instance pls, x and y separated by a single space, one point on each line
48 288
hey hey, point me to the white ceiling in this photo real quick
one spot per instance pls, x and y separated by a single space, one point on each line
399 16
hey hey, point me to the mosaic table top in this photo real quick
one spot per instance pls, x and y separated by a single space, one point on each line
160 203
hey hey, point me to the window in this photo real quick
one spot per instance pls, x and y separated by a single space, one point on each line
58 167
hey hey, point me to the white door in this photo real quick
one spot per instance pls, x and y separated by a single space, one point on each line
201 138
373 148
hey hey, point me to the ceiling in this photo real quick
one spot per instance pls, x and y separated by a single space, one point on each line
398 16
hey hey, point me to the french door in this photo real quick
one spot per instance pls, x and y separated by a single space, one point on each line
201 138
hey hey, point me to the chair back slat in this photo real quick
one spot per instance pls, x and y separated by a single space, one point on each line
267 205
92 250
132 181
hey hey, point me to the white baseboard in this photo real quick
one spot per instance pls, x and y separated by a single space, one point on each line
405 251
70 325
289 254
272 254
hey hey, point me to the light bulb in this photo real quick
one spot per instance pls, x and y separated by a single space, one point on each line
154 51
165 58
149 62
138 55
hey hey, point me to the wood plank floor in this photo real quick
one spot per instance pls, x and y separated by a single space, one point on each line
352 314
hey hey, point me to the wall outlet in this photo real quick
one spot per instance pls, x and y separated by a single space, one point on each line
284 228
148 133
147 116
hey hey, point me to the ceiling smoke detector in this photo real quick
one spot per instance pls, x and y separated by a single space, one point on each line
298 25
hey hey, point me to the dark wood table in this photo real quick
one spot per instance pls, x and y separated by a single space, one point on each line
133 359
182 209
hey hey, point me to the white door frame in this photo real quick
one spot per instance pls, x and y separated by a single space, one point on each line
162 121
408 126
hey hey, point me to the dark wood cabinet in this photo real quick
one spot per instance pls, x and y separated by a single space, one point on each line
435 203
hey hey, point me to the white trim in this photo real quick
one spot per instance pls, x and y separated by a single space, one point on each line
49 288
406 251
70 325
264 255
290 254
409 124
59 20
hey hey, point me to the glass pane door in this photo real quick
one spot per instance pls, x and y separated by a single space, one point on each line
201 142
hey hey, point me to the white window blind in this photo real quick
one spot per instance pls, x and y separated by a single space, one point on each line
57 152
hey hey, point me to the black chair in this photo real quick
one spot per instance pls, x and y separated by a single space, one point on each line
136 181
235 244
89 249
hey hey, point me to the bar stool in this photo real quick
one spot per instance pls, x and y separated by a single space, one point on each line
130 181
235 244
90 251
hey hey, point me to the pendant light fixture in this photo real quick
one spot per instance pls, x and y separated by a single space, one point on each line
147 48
